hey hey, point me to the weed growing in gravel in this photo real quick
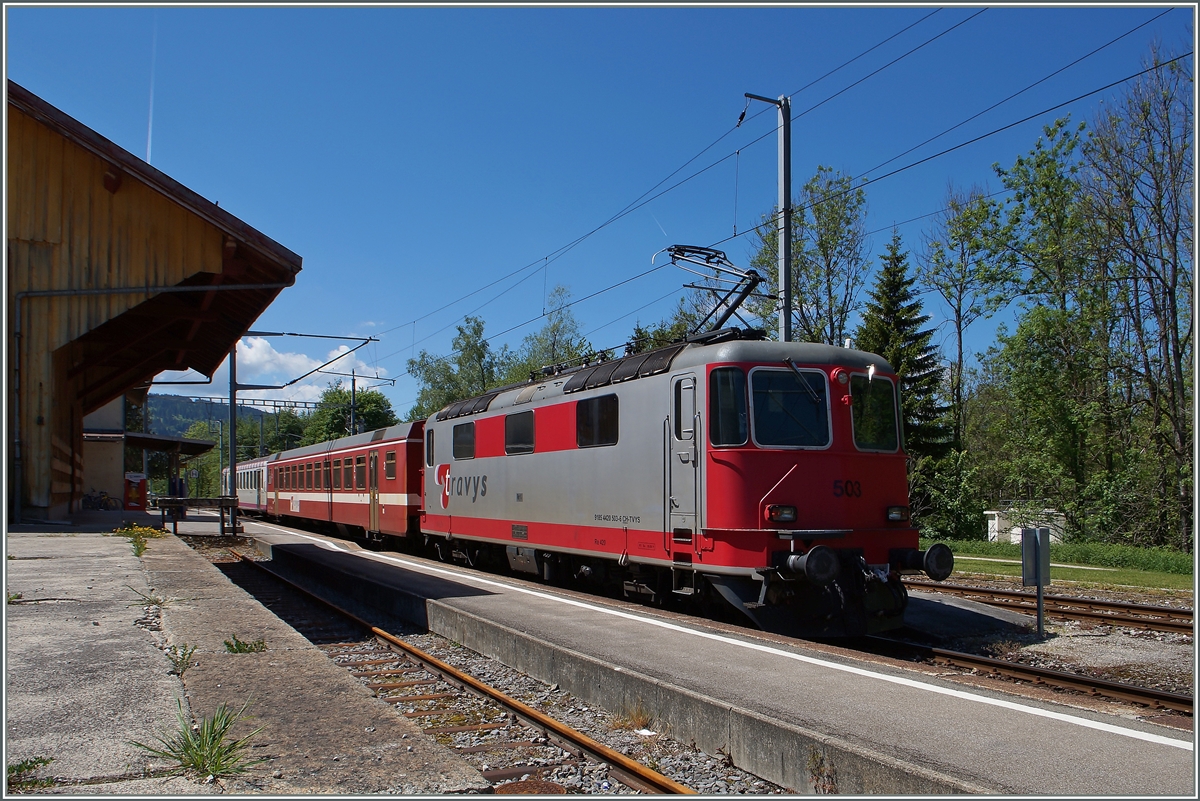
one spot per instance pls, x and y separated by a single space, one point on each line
13 597
150 598
634 718
237 646
204 750
23 775
181 657
137 536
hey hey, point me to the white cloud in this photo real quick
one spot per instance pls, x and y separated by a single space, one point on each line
258 362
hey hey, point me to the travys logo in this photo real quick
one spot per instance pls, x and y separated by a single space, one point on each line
473 487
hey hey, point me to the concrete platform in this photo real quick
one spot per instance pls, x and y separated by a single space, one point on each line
801 717
84 678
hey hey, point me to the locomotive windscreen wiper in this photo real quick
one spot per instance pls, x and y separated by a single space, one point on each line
803 381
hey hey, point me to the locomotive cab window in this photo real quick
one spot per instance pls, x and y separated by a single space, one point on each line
873 413
728 420
596 421
791 409
429 447
389 464
464 441
518 433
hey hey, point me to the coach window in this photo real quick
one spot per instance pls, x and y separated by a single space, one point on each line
791 408
389 464
596 421
518 433
727 416
308 476
874 413
429 447
464 441
321 467
347 474
337 473
360 472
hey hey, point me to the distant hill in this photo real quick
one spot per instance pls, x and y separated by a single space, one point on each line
173 415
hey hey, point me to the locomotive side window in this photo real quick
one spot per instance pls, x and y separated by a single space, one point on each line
360 472
728 420
518 433
874 414
389 464
791 409
596 421
429 447
337 473
464 441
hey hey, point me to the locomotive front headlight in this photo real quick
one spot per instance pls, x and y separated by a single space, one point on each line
897 513
781 514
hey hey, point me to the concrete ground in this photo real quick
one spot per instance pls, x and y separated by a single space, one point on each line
797 716
86 674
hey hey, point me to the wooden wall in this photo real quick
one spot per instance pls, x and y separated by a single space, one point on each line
77 222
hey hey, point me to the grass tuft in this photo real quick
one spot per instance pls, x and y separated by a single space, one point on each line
237 646
205 750
181 657
13 597
23 775
633 718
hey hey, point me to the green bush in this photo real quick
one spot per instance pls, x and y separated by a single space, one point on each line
1161 560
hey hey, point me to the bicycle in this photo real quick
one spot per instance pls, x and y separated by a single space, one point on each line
101 501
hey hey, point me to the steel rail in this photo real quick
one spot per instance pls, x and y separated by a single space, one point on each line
1146 696
626 770
1143 616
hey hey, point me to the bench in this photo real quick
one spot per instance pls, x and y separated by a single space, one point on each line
222 504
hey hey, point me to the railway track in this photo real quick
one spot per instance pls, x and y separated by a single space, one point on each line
1139 616
1143 696
513 744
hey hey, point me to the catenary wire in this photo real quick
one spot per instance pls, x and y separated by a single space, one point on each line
554 255
864 183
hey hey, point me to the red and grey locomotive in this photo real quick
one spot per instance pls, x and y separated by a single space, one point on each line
765 476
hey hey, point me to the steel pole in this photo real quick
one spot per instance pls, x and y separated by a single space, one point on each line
353 417
785 218
232 433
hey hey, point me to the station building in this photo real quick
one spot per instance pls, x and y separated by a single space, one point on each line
115 273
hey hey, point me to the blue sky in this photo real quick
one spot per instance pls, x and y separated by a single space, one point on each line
414 155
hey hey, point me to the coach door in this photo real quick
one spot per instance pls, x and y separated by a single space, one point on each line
373 486
682 458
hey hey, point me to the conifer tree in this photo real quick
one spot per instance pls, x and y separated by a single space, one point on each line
891 327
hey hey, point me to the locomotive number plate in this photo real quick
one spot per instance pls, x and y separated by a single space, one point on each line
847 488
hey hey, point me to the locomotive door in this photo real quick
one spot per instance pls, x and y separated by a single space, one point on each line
373 486
682 460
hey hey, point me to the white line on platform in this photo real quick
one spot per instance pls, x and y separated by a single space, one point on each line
960 694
